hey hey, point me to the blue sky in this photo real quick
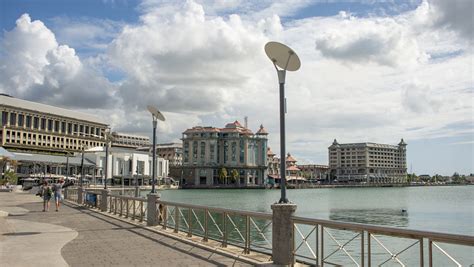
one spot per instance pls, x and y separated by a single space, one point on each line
371 70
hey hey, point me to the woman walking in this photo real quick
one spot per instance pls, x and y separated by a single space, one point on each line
46 192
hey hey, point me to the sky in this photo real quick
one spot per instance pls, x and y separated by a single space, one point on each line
371 71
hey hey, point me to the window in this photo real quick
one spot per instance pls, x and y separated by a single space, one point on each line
195 148
75 128
35 123
87 129
21 120
12 119
186 151
234 148
4 118
28 121
211 148
69 128
50 125
63 127
203 149
43 124
81 128
56 126
242 151
226 147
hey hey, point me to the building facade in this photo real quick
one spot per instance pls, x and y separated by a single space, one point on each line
219 156
368 162
129 140
173 152
314 171
35 127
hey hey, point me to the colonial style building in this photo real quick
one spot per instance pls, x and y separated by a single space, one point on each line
368 162
273 165
35 127
230 155
129 140
314 171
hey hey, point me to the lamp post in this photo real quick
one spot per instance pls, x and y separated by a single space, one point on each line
284 57
156 115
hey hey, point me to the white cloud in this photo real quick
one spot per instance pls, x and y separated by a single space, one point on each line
362 79
36 67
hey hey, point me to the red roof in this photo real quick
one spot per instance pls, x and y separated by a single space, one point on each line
289 158
270 152
292 168
262 130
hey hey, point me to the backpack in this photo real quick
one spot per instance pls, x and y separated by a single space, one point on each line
49 191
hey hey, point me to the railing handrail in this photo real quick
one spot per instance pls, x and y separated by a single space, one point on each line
262 215
390 231
129 197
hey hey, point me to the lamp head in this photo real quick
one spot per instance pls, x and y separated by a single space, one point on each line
282 56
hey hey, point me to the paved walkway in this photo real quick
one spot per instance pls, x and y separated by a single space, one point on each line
76 236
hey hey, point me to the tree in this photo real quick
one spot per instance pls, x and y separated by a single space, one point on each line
9 177
222 175
234 175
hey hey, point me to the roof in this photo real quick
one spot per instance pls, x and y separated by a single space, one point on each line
292 168
262 130
44 158
5 153
43 108
289 158
270 152
233 127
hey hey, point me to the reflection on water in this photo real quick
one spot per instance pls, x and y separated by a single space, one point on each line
391 217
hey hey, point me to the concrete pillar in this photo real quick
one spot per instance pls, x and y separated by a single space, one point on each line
80 191
282 238
104 199
152 216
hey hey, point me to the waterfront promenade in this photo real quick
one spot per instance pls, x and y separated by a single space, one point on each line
77 236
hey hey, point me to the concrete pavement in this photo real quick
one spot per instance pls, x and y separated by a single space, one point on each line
76 236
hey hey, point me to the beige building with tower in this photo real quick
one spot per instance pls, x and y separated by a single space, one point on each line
209 152
35 127
129 140
368 162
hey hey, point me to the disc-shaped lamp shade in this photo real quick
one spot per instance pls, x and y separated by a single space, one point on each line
155 112
279 54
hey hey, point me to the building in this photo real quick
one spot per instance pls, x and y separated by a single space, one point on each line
173 152
273 169
39 128
128 164
368 162
314 171
129 140
220 156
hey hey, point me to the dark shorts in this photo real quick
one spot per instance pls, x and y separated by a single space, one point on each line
46 198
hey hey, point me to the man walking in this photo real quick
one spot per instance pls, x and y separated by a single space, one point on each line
57 189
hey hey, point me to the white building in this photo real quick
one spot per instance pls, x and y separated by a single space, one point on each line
129 164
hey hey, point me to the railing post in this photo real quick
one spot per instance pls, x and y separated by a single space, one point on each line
80 199
115 205
134 209
176 219
224 228
190 226
141 211
66 193
430 253
321 262
206 225
362 252
103 201
421 253
121 206
369 250
128 207
247 234
151 209
165 216
282 233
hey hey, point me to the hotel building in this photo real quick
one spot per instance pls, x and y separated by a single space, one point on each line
207 151
35 127
129 140
368 162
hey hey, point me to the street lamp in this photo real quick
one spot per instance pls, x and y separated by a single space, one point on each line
284 57
156 114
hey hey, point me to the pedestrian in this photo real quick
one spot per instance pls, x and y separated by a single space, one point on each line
57 189
46 193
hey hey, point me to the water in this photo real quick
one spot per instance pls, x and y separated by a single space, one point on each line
446 209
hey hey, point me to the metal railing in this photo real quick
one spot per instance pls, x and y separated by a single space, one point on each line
321 242
134 208
243 229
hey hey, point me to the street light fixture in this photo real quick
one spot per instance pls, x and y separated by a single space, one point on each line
156 114
284 57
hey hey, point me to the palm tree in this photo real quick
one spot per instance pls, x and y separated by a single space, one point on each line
234 174
223 175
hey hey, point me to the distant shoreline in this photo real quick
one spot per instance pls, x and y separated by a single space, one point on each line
314 186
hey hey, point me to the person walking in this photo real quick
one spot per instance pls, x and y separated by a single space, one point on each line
57 189
46 193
